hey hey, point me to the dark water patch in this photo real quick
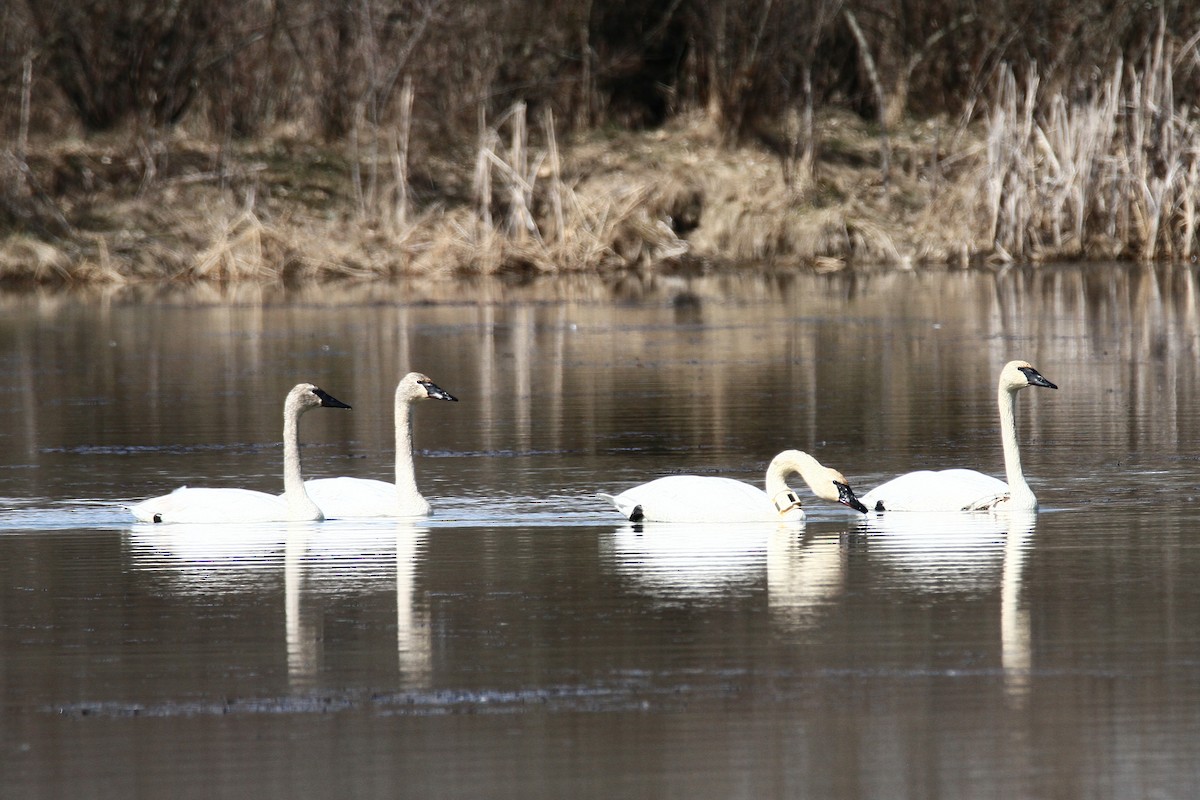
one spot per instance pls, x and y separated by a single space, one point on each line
178 449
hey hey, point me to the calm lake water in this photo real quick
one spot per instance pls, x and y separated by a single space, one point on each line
525 641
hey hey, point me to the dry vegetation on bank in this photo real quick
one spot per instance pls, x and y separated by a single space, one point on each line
1026 163
675 196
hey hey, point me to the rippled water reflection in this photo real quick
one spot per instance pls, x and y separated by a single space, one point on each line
527 642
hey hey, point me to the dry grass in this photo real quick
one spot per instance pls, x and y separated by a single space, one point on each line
1043 179
1116 176
287 210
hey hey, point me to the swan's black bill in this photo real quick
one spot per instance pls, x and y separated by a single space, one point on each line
1035 378
435 392
846 497
328 400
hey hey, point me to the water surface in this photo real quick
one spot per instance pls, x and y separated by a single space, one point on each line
527 642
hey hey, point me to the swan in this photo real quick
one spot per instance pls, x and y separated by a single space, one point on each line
193 505
966 489
364 497
695 498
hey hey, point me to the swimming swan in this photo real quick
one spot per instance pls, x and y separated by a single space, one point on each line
363 497
243 505
966 489
695 498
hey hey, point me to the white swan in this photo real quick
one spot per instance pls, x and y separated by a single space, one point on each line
966 489
696 498
341 498
194 505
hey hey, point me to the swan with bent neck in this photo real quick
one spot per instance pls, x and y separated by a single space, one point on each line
344 497
697 498
966 489
203 505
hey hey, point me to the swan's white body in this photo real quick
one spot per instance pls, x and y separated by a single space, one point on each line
342 498
697 498
966 489
200 505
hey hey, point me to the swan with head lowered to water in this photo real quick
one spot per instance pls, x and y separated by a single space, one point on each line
203 505
342 498
699 498
966 489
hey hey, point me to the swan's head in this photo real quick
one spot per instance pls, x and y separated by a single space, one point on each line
845 495
1019 374
415 386
826 483
305 396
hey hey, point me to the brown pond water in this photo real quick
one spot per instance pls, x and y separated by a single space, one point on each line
526 642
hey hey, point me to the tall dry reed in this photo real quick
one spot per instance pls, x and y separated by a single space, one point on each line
1116 174
548 224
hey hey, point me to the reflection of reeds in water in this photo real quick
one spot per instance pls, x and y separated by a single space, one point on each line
841 359
1135 332
1114 175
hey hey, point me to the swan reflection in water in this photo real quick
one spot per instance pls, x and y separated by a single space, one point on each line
954 552
806 571
328 560
671 561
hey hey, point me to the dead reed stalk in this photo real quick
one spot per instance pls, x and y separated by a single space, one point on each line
1115 174
235 253
400 155
549 224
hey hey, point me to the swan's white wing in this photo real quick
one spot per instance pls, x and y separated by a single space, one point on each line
947 490
344 498
212 505
696 498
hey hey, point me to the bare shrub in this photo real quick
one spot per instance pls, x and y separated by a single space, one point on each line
113 61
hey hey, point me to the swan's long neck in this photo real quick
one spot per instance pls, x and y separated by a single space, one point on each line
777 473
1022 495
785 500
300 506
406 480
